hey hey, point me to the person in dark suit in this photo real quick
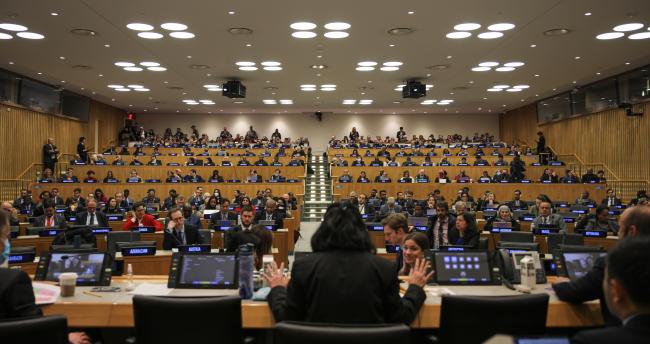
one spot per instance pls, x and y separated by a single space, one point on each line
633 222
242 234
82 151
224 214
180 233
517 202
611 200
50 153
440 225
50 218
24 202
270 214
343 281
364 207
547 218
541 142
465 231
626 284
396 229
92 217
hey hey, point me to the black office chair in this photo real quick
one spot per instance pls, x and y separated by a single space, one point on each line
23 249
517 237
554 240
483 243
300 333
112 238
206 236
187 320
52 329
474 319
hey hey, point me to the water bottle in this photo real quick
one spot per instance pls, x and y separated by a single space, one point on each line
528 273
246 263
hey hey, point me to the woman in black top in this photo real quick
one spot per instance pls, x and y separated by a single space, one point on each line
464 232
112 207
81 150
343 281
363 178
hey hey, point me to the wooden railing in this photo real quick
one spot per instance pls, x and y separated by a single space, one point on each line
10 188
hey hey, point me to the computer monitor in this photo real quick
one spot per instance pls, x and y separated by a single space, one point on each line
470 268
204 271
91 268
418 221
554 240
577 264
521 246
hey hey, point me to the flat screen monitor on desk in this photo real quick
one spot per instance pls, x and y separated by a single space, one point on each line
468 268
204 271
91 268
577 264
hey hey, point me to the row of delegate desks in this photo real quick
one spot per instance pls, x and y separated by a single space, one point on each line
107 310
437 159
502 191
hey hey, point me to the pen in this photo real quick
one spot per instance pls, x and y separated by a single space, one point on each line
91 294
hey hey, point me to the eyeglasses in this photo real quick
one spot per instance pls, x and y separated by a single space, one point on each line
178 218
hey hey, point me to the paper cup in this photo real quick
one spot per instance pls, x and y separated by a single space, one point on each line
67 281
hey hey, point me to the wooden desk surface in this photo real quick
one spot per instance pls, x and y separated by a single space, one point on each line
115 309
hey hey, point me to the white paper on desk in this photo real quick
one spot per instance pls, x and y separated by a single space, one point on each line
151 289
438 291
45 293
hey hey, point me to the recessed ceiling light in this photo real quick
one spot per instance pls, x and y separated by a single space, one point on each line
248 45
336 26
367 64
124 64
521 86
269 101
505 69
610 35
142 90
174 26
577 58
303 34
215 89
182 34
481 69
5 36
513 64
139 27
391 45
467 27
495 89
536 75
328 86
588 13
123 89
556 32
641 35
245 63
410 12
61 57
54 14
501 86
248 68
30 35
12 27
270 63
318 66
238 102
628 27
627 63
303 26
393 64
336 34
150 35
115 86
349 101
11 62
533 45
490 35
365 69
135 86
328 89
389 69
286 101
231 12
458 35
488 64
133 69
365 101
308 89
149 64
307 86
157 69
107 45
514 90
501 27
272 68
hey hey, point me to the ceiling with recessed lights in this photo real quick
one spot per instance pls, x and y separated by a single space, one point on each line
474 56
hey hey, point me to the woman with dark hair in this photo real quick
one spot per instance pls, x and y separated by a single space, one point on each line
465 232
413 249
112 207
263 244
343 281
99 196
82 151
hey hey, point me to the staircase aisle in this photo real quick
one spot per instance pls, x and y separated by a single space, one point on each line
318 190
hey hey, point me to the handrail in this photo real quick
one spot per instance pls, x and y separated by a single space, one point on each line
22 174
609 170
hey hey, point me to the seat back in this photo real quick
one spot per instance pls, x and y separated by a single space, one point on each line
483 243
300 333
187 320
52 329
554 240
519 315
206 236
112 238
517 237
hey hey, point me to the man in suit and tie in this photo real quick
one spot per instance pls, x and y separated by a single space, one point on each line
516 202
625 286
240 234
92 217
390 207
270 214
364 207
440 225
224 214
50 153
54 196
547 218
179 232
611 200
24 202
76 196
49 218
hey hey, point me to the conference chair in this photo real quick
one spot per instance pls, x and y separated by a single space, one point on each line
52 329
554 240
206 236
474 319
112 238
517 237
300 333
187 320
483 243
